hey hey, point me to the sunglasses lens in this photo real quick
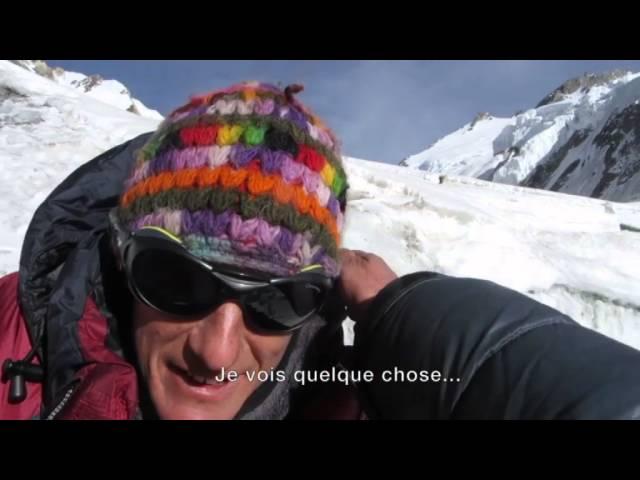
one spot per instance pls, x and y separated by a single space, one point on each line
284 306
163 277
173 284
304 297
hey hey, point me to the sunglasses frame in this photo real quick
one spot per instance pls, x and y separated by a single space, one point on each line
240 280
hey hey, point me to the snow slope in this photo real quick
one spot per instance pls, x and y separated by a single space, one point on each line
47 131
563 250
582 139
567 251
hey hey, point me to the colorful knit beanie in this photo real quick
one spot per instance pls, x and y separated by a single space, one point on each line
246 176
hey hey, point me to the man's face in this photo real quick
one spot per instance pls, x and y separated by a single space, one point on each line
177 355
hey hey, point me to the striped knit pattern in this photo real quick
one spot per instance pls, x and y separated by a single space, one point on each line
246 176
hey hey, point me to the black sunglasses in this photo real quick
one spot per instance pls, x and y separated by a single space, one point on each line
165 276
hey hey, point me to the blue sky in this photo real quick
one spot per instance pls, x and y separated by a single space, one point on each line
382 110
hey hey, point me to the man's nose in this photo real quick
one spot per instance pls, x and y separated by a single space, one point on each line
217 339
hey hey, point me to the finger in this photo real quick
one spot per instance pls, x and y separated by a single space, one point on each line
344 252
352 257
362 254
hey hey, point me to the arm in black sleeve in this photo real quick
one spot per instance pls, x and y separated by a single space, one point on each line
514 357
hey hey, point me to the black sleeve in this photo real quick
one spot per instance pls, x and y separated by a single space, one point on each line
500 355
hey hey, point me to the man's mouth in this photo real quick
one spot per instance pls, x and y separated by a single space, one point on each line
191 379
202 380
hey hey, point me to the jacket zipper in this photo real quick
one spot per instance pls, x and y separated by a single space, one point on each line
60 405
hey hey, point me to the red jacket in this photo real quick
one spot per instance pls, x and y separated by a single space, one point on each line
107 384
15 344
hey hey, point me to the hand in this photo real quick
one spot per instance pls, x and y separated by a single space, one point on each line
363 275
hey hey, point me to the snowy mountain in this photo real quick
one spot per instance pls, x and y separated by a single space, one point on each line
583 138
566 251
466 152
111 92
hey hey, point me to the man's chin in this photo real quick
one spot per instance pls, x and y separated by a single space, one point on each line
186 413
180 408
